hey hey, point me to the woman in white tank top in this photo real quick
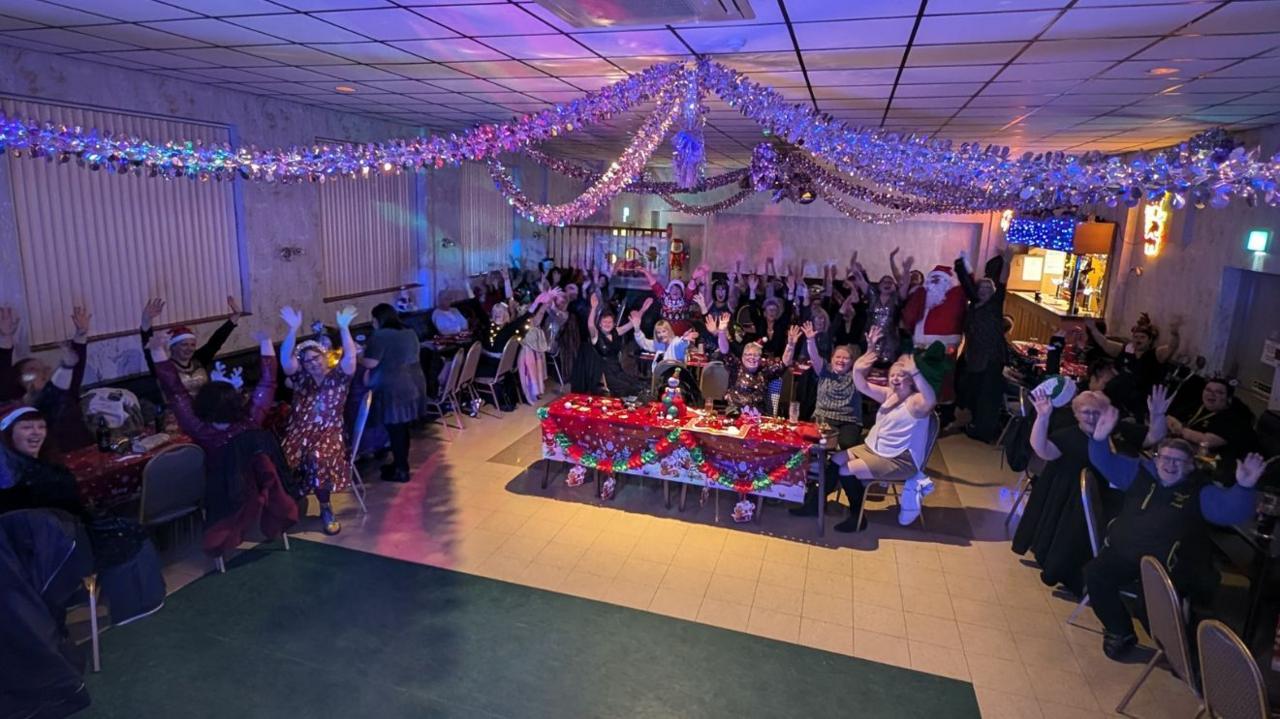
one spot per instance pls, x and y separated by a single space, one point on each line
897 447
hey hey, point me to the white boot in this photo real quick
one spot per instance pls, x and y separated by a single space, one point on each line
913 491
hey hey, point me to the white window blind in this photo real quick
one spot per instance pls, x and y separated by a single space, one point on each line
367 230
110 241
487 220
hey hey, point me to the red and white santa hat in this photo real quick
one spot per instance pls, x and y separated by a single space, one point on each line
12 412
180 333
941 269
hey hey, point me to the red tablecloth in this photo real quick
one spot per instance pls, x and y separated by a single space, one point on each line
605 429
106 479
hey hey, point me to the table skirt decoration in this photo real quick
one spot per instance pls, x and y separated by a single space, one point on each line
106 479
768 457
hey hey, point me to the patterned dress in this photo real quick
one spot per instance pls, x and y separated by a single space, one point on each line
315 426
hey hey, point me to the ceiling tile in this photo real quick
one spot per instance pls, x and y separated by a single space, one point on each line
469 84
405 86
313 5
1151 20
355 72
856 58
859 92
1228 84
952 73
223 56
293 55
13 23
993 27
133 10
447 50
297 28
742 38
231 74
632 43
534 84
68 39
1053 71
854 33
1186 69
1083 49
751 62
387 24
500 97
228 7
31 45
368 52
791 79
215 32
982 53
140 36
482 20
819 78
557 96
1029 88
297 74
1260 68
574 67
160 58
423 71
107 58
1206 47
938 90
528 47
642 62
810 11
48 13
1239 17
497 69
941 7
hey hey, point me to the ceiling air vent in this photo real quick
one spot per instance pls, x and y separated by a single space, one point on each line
620 13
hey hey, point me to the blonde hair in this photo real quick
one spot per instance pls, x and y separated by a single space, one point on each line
753 347
1090 398
664 324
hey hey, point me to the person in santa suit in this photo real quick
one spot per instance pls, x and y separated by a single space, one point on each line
934 312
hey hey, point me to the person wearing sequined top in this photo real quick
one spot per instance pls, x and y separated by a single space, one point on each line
750 375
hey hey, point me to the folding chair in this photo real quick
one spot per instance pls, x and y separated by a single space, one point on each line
1165 614
357 433
173 486
891 486
1094 527
506 363
1233 684
448 395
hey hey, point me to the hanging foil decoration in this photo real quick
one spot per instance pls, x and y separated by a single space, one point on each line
690 156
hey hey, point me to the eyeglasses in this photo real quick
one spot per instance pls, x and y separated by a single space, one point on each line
1172 460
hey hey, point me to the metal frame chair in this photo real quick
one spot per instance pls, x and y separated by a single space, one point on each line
466 381
714 382
553 359
449 396
1022 486
891 486
506 363
173 485
357 433
1093 527
1232 683
1165 613
659 370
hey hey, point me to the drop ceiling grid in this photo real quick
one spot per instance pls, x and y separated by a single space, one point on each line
1074 70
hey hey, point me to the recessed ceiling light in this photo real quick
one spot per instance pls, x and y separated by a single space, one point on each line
1163 71
345 89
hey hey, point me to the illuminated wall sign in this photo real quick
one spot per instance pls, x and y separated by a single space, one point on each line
1053 233
1155 226
1258 240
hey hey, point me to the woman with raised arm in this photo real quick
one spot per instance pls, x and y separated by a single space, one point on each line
245 467
1052 526
838 403
1141 356
192 363
606 338
54 391
313 443
749 375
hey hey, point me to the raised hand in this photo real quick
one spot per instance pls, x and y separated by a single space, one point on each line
234 305
1106 423
261 337
345 316
894 252
753 281
647 304
874 335
291 317
635 318
724 323
690 335
70 358
1040 400
9 322
793 334
809 330
151 311
80 318
595 300
1249 470
908 362
1158 402
159 347
907 264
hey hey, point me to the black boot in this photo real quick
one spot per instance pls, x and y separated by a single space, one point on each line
852 524
1116 646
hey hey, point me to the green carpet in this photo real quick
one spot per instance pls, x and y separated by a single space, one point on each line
323 632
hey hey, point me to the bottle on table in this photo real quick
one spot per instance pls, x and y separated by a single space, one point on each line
103 435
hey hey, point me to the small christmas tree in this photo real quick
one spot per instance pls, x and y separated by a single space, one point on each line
673 406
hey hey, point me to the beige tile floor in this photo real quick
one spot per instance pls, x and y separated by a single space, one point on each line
962 608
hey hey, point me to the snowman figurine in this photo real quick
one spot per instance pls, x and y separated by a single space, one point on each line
673 405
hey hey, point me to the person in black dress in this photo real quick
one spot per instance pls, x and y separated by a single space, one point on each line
607 340
1052 527
1141 357
1219 424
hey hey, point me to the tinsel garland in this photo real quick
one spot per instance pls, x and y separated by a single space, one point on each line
711 209
677 437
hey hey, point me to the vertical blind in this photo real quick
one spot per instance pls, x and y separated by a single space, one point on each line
110 241
367 231
487 220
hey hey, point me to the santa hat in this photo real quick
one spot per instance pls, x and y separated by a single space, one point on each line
943 269
14 411
678 283
180 333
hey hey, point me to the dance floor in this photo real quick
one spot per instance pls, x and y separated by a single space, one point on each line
322 632
351 631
